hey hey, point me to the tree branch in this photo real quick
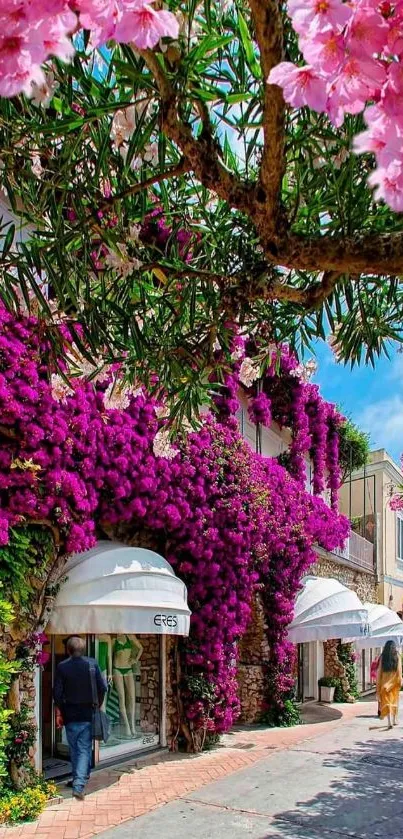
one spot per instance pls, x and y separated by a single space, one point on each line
363 253
200 153
269 34
187 273
174 172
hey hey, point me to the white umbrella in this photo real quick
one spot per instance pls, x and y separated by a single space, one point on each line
117 588
326 609
384 625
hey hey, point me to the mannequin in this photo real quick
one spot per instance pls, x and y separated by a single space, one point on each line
105 661
127 651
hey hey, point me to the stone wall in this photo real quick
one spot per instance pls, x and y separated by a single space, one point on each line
363 584
254 650
172 717
334 667
252 666
150 684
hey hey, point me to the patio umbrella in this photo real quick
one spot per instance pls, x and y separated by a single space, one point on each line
326 609
384 625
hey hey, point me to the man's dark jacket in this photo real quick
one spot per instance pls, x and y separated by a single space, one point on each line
72 690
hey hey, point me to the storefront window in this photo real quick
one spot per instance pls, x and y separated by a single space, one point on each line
130 664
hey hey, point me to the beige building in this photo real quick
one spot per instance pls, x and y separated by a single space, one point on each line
366 500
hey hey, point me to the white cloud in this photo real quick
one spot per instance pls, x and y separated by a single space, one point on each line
384 421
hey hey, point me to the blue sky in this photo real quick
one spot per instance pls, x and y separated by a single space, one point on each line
372 398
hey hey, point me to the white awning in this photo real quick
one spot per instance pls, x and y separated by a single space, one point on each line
384 625
114 588
326 609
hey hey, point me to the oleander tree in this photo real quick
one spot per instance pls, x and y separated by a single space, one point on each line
185 177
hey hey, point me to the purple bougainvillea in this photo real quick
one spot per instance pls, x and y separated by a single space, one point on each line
232 520
283 394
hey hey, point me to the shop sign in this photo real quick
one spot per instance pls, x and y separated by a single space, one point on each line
170 621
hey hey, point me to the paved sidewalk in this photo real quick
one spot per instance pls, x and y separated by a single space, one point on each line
347 782
121 794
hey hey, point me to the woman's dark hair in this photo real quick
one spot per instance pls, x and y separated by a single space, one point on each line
389 657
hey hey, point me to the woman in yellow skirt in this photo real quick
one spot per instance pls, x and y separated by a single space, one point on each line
389 682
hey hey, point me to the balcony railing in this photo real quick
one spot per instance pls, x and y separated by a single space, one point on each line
357 551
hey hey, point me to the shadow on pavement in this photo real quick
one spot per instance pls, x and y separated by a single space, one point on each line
318 713
366 801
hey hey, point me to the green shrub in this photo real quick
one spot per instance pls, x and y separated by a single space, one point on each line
22 736
27 804
339 695
7 670
347 657
328 682
283 715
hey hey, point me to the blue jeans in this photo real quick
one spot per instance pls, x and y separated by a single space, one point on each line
79 738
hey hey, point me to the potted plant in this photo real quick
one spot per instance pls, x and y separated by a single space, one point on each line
327 687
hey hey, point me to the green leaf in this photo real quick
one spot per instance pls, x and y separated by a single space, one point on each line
249 48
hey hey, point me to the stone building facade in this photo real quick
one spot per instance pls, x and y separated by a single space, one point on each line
150 684
252 666
318 659
364 584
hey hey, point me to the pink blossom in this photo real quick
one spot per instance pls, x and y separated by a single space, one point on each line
313 16
396 503
384 137
144 25
391 101
29 34
100 17
17 71
42 658
395 35
367 32
326 52
301 85
388 183
358 80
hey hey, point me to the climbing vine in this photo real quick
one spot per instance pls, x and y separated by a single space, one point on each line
81 455
347 657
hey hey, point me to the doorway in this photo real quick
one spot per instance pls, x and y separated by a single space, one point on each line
55 750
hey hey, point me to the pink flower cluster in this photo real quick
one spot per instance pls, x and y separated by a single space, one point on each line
396 502
32 32
230 519
285 397
354 63
30 651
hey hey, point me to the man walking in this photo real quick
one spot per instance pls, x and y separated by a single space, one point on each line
73 696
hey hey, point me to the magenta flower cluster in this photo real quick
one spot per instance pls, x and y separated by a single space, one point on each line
282 394
232 520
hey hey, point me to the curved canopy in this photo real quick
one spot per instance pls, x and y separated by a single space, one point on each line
114 588
326 609
384 625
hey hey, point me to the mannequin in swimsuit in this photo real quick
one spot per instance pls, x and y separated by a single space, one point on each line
105 661
126 653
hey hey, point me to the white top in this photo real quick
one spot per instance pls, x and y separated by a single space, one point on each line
114 588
